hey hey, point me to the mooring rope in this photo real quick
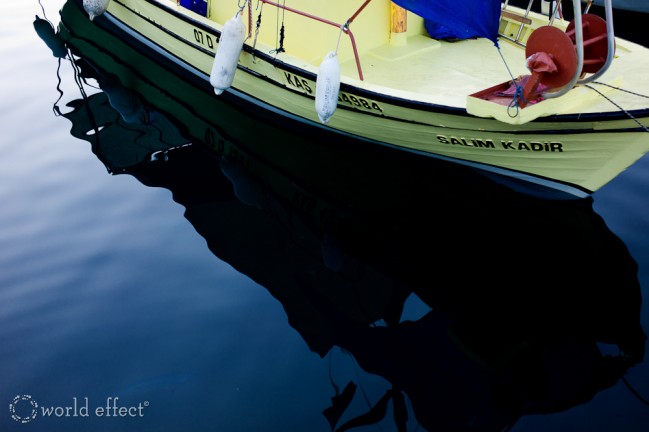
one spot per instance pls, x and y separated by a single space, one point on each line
634 391
645 128
621 89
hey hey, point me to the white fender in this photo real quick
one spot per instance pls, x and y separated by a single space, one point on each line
94 8
327 87
227 54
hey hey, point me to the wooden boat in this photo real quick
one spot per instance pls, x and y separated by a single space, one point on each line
341 253
372 71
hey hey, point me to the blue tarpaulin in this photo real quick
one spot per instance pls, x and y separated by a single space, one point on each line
458 18
198 6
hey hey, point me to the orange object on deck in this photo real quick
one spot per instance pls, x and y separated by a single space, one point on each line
552 60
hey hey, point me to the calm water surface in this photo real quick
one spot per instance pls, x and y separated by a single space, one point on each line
160 292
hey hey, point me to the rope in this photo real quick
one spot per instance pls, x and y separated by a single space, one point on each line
280 49
242 5
55 106
621 89
43 9
645 128
249 21
519 89
343 28
258 25
634 391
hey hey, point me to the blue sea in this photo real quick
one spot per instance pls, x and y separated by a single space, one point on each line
146 284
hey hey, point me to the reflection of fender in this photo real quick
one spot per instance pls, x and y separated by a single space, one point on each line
45 31
123 100
245 187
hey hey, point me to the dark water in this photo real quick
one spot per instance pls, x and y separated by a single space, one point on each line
134 275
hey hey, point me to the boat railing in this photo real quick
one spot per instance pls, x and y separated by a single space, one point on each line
608 7
344 27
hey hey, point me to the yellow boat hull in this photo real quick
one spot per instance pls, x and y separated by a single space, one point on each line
572 145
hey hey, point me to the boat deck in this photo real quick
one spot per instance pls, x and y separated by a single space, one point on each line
426 66
446 73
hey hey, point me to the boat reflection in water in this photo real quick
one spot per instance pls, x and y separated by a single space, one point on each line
524 296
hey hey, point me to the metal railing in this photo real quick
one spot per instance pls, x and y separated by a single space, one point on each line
344 27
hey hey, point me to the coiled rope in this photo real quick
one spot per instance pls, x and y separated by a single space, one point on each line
518 94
